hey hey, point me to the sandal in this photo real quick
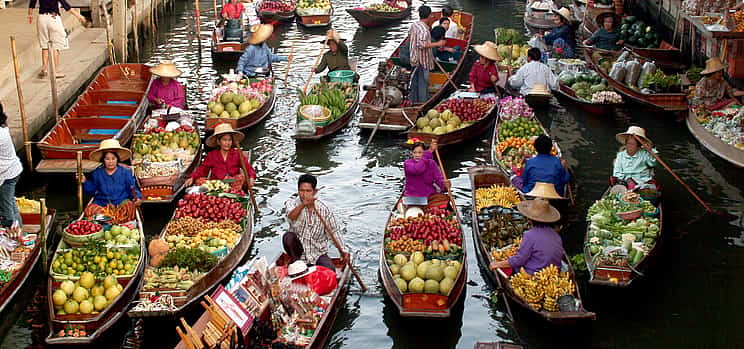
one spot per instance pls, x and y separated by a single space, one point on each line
42 74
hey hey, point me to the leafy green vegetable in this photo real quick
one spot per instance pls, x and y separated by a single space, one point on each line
193 259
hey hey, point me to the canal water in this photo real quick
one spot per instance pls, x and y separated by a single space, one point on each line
690 298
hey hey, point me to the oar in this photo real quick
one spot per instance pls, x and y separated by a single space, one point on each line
377 126
449 193
79 172
445 74
245 183
17 75
289 62
317 60
340 249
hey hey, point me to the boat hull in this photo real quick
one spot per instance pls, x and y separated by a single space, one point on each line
369 18
713 143
335 126
247 121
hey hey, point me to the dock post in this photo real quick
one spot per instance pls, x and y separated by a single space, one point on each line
120 28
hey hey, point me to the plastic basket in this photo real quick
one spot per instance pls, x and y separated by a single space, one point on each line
319 121
341 76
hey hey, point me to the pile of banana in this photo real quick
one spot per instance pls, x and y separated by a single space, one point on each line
178 278
506 252
542 290
27 206
216 185
496 195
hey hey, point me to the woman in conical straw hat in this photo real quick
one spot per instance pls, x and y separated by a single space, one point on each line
112 185
165 91
485 75
224 162
634 164
258 54
541 246
712 91
562 35
544 167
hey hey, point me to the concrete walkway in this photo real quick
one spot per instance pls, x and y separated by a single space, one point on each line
87 53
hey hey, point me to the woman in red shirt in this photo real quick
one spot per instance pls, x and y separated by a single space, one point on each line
232 10
223 162
485 75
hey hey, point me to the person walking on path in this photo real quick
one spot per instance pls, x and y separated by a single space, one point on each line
10 170
422 57
50 28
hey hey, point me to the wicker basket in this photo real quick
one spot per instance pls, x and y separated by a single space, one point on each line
630 215
318 120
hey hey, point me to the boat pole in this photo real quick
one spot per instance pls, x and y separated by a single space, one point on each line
341 250
445 74
53 78
43 234
449 192
79 172
245 182
312 71
216 14
134 31
26 143
197 30
289 62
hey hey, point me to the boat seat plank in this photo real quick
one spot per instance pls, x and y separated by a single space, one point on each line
65 166
104 109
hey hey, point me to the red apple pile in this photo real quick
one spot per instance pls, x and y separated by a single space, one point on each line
467 109
210 207
276 6
82 227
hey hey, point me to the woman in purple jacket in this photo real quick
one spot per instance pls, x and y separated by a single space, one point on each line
422 172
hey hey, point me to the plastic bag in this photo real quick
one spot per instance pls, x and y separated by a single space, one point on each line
566 76
632 72
539 43
648 69
7 243
618 71
322 280
623 56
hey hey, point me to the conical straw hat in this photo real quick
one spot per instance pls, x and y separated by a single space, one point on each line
110 145
713 65
539 210
222 129
633 131
545 191
489 50
260 33
166 68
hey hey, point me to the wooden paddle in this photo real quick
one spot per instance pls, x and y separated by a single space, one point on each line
245 182
449 193
17 75
340 249
312 71
289 62
445 74
79 172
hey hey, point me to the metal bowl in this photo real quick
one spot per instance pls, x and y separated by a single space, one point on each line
567 303
196 189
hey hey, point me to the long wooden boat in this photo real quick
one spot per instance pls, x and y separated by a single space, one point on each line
401 118
621 276
271 17
183 300
468 132
112 106
369 18
325 325
714 144
314 20
334 126
249 120
95 325
669 102
229 50
595 108
18 277
486 176
425 305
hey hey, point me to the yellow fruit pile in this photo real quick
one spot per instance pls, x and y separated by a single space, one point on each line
406 244
506 252
496 195
542 289
27 206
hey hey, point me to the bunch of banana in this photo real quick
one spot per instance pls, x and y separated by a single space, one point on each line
168 278
506 252
27 206
496 195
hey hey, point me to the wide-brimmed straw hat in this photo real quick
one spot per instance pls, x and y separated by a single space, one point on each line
539 210
299 269
713 65
545 191
110 145
633 131
563 12
600 18
222 129
260 33
166 69
489 50
539 89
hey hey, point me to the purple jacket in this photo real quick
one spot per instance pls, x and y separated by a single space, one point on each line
172 94
540 247
422 175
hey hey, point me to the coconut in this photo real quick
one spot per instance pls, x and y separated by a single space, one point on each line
422 268
402 284
435 122
445 286
226 97
238 99
408 271
427 129
86 307
416 285
431 286
100 302
440 130
234 114
450 128
111 293
231 107
455 264
80 294
446 115
218 108
225 114
417 257
395 269
245 107
400 259
87 280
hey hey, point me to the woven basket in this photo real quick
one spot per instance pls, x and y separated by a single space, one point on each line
630 215
318 120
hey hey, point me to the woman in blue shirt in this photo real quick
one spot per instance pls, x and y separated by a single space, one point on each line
545 167
258 54
112 185
562 35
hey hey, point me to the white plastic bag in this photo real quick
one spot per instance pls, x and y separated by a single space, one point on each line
539 43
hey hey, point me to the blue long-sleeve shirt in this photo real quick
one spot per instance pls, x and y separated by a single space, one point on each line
544 168
563 32
257 56
113 188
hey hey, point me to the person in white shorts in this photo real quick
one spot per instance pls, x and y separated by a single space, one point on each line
50 28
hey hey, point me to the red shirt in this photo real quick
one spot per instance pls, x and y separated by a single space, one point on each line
221 168
231 11
480 76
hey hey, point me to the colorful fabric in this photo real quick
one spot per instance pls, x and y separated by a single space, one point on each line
544 168
257 56
232 10
171 94
419 36
310 230
215 166
533 73
709 92
605 40
338 60
638 167
566 34
422 175
112 188
480 76
541 246
126 211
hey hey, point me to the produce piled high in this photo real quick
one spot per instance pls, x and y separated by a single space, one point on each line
453 114
542 290
638 34
238 99
338 97
590 87
313 7
727 124
276 6
512 153
385 7
645 78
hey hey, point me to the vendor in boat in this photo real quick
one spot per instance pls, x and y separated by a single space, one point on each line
232 10
113 186
541 246
712 91
337 57
607 37
484 75
423 177
307 238
561 37
257 54
224 162
634 164
533 73
421 56
165 91
544 167
10 171
453 30
444 53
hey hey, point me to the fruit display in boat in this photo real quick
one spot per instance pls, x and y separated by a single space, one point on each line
232 101
276 6
121 235
514 151
542 289
97 260
210 207
504 253
467 109
216 186
159 145
384 7
338 97
88 296
27 206
320 4
432 276
496 195
520 127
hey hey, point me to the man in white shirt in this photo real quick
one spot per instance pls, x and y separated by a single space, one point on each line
453 31
533 73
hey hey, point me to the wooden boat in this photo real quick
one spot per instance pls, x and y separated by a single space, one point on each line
669 102
712 142
369 18
18 277
95 325
227 50
112 106
486 176
495 141
271 17
595 108
184 299
325 325
161 190
536 20
246 121
401 118
334 126
311 20
621 276
471 131
423 305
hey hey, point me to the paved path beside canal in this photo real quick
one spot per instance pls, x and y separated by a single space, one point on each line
87 53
